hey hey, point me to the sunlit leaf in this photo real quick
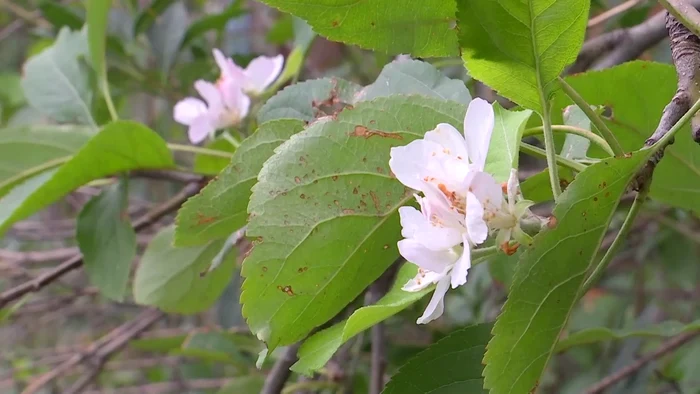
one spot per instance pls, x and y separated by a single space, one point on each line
504 150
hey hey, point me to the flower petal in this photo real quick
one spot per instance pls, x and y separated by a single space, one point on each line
431 260
229 69
211 95
478 126
188 109
411 221
487 191
459 271
436 306
200 128
451 140
422 280
234 99
410 162
476 226
513 186
262 71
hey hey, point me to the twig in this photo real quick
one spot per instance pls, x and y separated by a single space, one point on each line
280 372
378 359
103 348
667 347
598 19
684 12
77 261
167 175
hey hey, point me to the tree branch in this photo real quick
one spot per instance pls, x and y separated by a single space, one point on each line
76 261
667 347
280 372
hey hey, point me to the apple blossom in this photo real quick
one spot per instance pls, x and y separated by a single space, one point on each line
260 73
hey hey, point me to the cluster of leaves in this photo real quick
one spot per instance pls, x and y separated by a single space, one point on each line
313 186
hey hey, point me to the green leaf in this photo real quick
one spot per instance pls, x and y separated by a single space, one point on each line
519 47
451 365
320 347
221 207
11 95
118 147
107 240
148 15
56 81
211 22
600 334
212 165
550 274
213 346
537 187
415 77
60 15
170 278
325 210
505 141
576 146
29 150
308 100
424 29
637 93
244 385
303 37
97 18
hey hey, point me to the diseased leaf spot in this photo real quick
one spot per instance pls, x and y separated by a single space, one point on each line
286 289
375 200
297 179
302 269
203 219
362 131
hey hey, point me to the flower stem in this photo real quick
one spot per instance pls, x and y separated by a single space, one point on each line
535 151
108 99
593 117
550 152
619 238
595 138
199 150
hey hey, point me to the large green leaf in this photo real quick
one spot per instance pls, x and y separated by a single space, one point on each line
171 278
27 151
221 207
519 47
415 77
600 334
97 18
308 100
452 365
118 147
422 28
56 81
550 274
319 348
636 93
107 240
504 149
325 211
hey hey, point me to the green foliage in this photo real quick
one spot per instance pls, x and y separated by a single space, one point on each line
519 47
600 334
60 15
422 28
545 289
213 346
149 14
451 365
208 164
252 384
57 81
210 22
320 347
107 240
97 18
118 147
27 151
325 210
504 150
637 93
536 187
172 278
220 208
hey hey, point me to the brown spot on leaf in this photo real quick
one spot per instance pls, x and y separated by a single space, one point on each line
386 247
595 198
335 23
286 289
297 179
302 269
203 219
375 200
336 202
364 132
302 196
334 177
355 191
348 211
264 269
380 170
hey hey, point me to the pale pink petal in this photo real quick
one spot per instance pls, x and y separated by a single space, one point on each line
237 103
262 71
459 271
431 260
211 95
436 306
409 162
487 191
478 126
229 69
411 221
451 139
188 109
476 226
422 280
200 128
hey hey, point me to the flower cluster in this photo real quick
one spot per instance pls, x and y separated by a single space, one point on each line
461 205
227 101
